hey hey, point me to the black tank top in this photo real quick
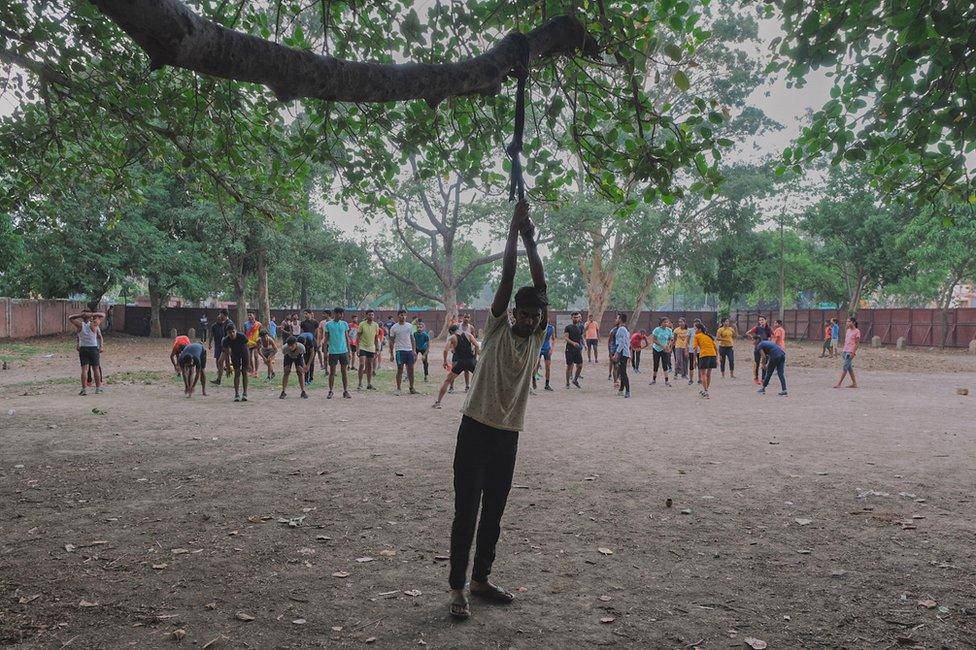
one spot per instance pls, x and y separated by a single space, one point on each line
463 349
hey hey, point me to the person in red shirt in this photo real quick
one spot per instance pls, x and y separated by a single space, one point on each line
179 343
779 334
638 341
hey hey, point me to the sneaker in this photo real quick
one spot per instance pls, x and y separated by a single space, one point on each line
706 395
783 393
548 388
359 387
761 391
667 383
304 395
436 405
397 392
237 398
567 386
346 395
244 397
413 392
701 393
627 395
370 387
282 396
690 382
215 382
467 388
450 390
576 383
653 381
98 391
85 392
329 396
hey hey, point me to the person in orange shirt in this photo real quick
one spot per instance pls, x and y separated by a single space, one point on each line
179 343
252 329
825 350
592 336
779 334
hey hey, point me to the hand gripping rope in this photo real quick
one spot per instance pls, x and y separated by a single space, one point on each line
516 186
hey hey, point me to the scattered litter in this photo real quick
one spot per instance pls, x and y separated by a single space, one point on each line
180 551
413 592
605 551
864 494
755 644
803 522
299 621
927 603
804 551
837 573
686 511
160 567
293 522
340 574
606 620
243 616
364 559
388 552
668 502
371 639
12 412
87 603
70 547
605 599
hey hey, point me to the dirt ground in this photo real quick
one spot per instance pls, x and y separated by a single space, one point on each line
831 518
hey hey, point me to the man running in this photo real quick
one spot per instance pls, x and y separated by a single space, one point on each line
775 362
545 356
487 442
661 341
726 346
403 350
193 363
465 351
852 341
235 346
87 326
179 343
622 355
759 333
369 340
337 343
422 340
294 354
592 334
573 336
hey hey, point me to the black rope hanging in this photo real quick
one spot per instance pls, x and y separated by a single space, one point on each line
516 186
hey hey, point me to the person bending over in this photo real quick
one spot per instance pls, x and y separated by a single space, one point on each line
193 364
775 362
487 441
179 343
294 354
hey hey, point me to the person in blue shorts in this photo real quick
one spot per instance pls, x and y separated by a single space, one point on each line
545 356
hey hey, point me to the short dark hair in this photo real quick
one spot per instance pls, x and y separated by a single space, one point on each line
576 313
531 298
402 311
452 329
338 310
291 340
232 328
224 312
622 317
660 321
778 321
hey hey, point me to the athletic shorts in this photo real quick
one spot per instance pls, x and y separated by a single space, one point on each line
706 363
240 362
217 350
834 343
462 365
270 354
662 357
592 343
421 353
341 359
546 354
201 362
365 354
405 357
352 350
847 362
574 355
89 356
294 361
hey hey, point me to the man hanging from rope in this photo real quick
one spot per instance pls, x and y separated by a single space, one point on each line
484 460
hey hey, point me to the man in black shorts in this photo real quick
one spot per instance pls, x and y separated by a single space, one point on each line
573 335
307 339
193 357
235 346
295 354
218 331
465 349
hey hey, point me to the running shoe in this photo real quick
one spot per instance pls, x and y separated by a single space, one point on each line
627 395
85 392
436 405
783 393
397 392
282 396
761 391
576 383
329 396
346 395
237 398
244 397
548 388
304 395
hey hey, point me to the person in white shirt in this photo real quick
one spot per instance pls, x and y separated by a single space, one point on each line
403 350
622 355
89 346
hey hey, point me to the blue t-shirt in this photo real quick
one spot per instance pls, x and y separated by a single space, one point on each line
273 329
423 340
547 341
835 331
773 351
661 334
337 330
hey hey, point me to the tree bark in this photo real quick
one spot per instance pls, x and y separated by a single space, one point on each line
645 289
450 310
264 303
240 287
156 298
172 34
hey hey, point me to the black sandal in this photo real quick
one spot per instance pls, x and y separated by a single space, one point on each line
460 609
493 593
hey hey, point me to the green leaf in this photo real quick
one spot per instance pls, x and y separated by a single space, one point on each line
681 80
673 51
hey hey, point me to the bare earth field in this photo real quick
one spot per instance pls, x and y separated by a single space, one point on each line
828 519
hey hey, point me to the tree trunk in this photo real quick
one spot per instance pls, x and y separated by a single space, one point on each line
156 299
172 34
240 286
264 303
945 301
450 309
599 287
645 288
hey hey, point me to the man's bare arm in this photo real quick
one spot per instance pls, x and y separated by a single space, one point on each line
507 283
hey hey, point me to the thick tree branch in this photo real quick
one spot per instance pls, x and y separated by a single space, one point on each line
431 264
416 288
488 259
172 34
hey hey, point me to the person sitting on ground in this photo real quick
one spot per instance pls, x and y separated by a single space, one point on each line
294 354
193 364
487 441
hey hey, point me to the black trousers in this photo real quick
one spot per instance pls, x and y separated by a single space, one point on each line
635 359
622 375
778 366
484 463
727 352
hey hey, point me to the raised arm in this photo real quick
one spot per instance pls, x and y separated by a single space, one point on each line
507 283
74 320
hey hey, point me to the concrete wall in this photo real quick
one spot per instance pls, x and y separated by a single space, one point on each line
21 319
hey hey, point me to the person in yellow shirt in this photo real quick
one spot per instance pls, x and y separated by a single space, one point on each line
681 349
726 341
707 356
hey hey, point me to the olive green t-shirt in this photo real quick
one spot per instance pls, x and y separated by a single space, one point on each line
500 388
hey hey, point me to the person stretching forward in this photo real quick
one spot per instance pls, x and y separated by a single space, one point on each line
487 442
